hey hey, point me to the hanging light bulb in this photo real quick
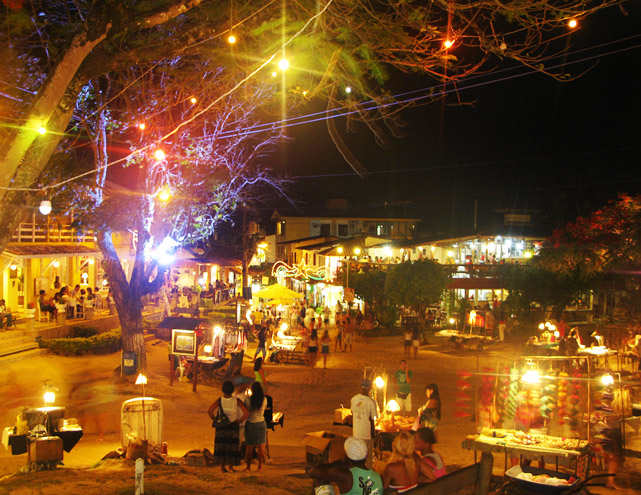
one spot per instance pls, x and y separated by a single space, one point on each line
142 126
193 99
283 64
572 23
231 39
448 44
45 207
42 130
160 155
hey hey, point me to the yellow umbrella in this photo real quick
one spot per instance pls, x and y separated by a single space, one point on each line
278 291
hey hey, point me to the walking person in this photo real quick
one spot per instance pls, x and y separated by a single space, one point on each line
415 341
259 372
348 333
255 428
403 379
430 412
227 439
262 341
407 342
312 350
325 342
338 343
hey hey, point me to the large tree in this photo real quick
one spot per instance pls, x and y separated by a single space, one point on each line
416 285
52 49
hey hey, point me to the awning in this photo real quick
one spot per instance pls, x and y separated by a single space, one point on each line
475 283
181 323
28 251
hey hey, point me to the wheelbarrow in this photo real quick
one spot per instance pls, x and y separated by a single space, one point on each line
571 485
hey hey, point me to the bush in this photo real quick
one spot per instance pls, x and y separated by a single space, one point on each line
83 331
103 343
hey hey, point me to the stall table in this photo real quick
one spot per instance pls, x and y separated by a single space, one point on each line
577 449
460 340
18 443
288 349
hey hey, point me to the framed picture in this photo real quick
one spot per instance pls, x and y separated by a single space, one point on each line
183 342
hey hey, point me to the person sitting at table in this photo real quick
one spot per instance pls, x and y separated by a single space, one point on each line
5 312
46 306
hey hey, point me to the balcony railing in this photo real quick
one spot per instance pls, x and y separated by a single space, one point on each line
55 229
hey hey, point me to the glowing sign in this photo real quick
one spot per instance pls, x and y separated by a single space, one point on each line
301 270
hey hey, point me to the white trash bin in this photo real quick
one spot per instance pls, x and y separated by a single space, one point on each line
131 420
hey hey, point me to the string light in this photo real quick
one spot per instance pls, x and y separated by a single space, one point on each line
193 99
283 64
164 194
42 130
291 122
142 126
348 89
448 44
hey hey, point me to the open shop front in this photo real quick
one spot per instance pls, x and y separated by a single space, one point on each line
559 411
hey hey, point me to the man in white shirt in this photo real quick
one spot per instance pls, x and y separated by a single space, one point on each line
364 412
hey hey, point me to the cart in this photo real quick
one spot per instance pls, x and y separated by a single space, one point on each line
43 452
515 485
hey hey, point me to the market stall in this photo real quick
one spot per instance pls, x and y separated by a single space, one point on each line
462 340
286 348
43 434
550 409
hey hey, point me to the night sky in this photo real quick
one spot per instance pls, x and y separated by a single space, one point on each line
524 142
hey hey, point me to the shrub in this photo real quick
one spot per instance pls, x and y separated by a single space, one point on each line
103 343
83 331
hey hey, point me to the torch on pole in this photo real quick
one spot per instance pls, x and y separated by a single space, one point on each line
142 380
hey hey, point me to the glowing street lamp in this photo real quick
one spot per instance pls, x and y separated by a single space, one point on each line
45 207
283 64
160 155
572 23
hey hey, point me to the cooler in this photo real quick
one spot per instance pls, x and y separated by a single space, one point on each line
131 420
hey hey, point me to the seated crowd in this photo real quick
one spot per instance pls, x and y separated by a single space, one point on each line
413 462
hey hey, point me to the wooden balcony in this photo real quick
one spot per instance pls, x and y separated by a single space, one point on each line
53 229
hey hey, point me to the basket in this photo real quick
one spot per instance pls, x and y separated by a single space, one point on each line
534 487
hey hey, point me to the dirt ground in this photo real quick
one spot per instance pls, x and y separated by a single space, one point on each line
307 397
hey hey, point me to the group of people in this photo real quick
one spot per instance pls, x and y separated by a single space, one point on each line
74 301
245 425
412 462
405 468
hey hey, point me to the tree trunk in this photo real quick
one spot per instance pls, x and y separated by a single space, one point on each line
128 300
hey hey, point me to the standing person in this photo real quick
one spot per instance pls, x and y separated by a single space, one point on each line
407 342
404 466
255 428
325 342
424 439
326 313
338 343
262 343
403 379
359 320
312 350
364 413
430 412
348 333
415 341
259 372
227 442
352 476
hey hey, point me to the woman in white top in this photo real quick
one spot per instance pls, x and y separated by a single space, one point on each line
256 428
227 442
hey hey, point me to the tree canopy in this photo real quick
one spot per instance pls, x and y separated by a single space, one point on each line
416 285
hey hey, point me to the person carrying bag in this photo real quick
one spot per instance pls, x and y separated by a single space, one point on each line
226 414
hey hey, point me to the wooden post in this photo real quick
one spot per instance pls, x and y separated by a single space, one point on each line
172 371
485 473
195 372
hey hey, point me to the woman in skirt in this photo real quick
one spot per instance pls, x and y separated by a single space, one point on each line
227 442
255 428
